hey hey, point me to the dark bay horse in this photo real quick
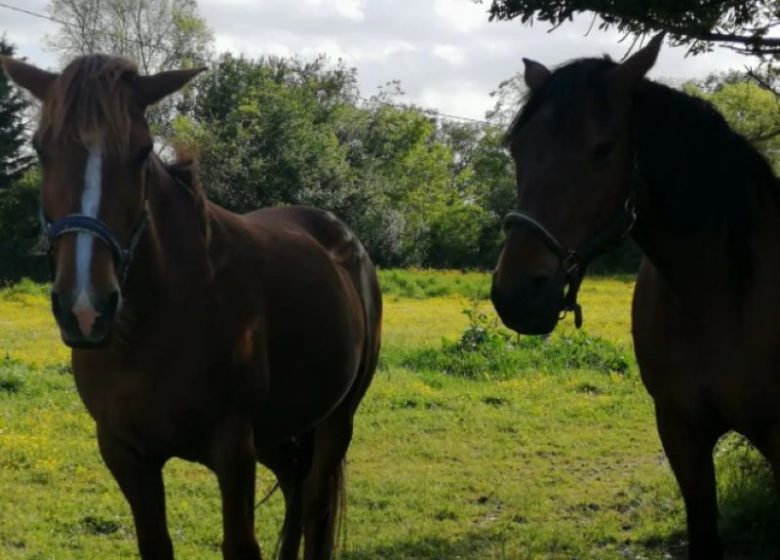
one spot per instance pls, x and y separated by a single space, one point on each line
198 333
601 152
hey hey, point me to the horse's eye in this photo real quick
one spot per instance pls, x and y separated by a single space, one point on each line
142 154
602 150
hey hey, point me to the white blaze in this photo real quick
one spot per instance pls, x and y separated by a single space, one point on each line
90 206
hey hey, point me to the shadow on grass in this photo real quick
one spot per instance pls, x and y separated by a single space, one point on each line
749 510
742 542
749 523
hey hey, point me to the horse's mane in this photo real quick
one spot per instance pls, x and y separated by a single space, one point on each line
701 173
90 97
184 171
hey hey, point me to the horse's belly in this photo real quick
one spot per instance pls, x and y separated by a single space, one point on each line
304 389
748 401
315 337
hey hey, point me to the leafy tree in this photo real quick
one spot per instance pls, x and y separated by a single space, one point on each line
284 131
750 109
508 98
156 34
456 232
487 182
742 25
264 132
13 160
20 229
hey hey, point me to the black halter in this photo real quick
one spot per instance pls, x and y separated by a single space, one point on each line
81 223
575 261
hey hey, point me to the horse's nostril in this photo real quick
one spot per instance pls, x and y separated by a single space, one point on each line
110 307
539 282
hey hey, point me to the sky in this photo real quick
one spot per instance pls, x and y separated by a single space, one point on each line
446 53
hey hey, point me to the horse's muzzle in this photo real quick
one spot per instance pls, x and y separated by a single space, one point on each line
532 306
86 321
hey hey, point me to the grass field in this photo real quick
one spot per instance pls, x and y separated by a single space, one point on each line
559 461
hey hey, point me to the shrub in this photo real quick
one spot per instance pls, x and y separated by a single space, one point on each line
485 351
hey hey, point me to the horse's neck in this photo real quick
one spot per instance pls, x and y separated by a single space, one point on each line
172 260
699 265
706 200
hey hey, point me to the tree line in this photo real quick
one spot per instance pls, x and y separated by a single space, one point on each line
419 190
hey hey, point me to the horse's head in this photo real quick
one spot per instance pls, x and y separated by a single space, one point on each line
93 142
572 150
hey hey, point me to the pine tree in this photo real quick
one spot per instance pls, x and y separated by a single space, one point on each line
13 161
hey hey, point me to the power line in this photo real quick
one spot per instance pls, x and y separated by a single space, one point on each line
30 13
426 111
429 112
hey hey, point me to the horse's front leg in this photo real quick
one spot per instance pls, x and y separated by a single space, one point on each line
140 480
688 440
234 462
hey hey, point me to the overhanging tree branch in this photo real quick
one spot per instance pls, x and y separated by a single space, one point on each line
742 25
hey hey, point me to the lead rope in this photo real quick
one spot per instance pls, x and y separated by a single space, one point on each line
267 497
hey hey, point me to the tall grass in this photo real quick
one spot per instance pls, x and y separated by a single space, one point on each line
25 287
428 283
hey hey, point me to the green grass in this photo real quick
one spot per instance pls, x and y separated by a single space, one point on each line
427 283
555 457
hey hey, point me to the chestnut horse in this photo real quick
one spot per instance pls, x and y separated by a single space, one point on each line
198 333
601 152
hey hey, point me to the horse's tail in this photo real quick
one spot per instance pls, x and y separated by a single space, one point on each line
337 509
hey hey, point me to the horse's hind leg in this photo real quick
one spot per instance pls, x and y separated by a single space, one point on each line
689 440
141 482
323 490
290 463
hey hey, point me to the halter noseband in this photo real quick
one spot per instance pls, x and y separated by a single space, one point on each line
575 261
81 223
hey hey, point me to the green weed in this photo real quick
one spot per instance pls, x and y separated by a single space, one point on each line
11 375
486 351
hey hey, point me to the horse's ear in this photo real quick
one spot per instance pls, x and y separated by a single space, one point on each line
31 78
631 71
536 74
153 88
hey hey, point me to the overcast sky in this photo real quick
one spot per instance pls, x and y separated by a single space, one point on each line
445 52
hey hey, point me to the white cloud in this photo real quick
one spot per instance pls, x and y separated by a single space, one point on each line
350 9
457 99
464 16
449 53
446 53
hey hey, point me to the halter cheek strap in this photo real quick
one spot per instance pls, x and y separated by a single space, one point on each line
575 261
